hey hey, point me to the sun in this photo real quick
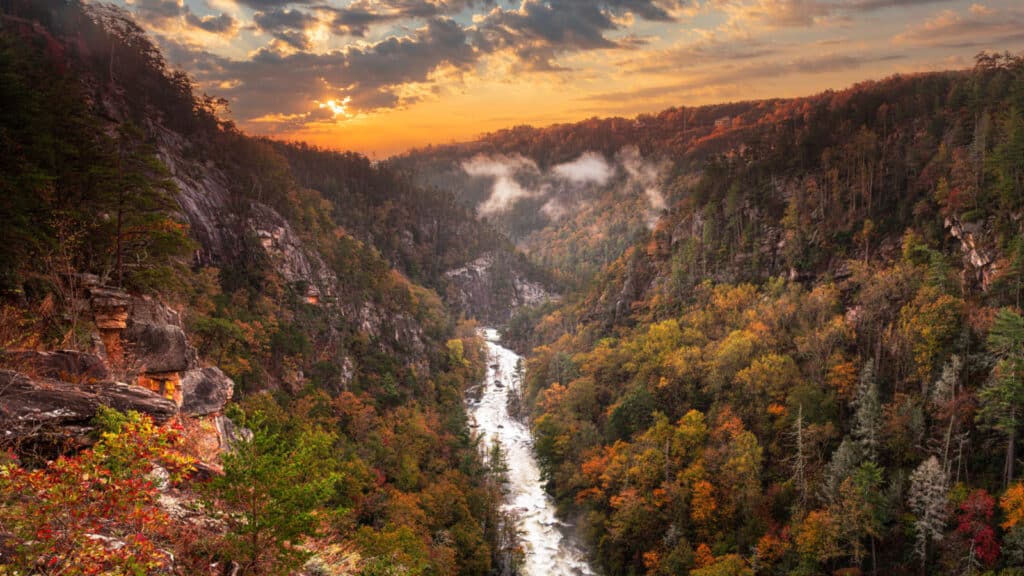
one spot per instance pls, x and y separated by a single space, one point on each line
337 108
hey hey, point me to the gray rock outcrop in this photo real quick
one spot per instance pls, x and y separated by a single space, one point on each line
205 391
29 406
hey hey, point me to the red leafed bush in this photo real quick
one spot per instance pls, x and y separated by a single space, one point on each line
95 512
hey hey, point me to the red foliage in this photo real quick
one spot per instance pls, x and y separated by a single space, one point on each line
96 512
974 525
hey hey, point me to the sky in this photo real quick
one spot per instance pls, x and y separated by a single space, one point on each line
383 76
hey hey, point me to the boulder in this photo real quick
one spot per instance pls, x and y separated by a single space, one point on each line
61 364
156 339
30 405
205 391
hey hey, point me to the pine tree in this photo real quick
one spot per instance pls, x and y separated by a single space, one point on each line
273 482
140 201
1002 397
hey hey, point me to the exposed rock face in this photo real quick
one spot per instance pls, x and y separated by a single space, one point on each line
286 252
62 364
203 197
491 288
110 313
157 340
205 391
976 256
28 405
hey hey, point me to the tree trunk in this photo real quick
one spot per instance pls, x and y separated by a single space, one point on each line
1010 456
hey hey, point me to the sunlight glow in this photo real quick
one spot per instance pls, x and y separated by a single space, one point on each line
337 108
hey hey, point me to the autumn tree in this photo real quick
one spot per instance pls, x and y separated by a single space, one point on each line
975 533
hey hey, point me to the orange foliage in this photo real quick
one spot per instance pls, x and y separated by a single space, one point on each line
1012 504
703 557
842 377
703 503
652 559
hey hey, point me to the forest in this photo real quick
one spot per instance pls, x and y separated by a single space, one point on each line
812 364
800 352
348 383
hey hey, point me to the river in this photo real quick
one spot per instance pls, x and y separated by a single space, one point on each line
550 550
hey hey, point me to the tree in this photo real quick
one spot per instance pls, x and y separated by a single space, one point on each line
273 483
1002 397
928 502
141 201
817 539
868 418
974 528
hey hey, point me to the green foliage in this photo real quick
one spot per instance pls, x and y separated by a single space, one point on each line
1002 397
274 483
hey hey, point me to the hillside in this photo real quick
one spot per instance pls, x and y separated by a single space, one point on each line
303 342
810 364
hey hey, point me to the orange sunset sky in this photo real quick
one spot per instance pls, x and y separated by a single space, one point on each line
381 76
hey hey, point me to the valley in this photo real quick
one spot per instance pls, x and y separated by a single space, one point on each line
767 337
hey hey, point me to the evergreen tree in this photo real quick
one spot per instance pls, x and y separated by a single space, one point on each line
273 482
139 204
1002 397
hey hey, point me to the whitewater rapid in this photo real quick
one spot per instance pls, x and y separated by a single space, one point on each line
549 549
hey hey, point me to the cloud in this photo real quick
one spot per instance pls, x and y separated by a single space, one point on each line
870 5
589 168
270 83
719 76
745 15
288 26
263 5
538 31
648 176
221 24
357 17
978 26
155 11
171 14
565 186
505 170
700 52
